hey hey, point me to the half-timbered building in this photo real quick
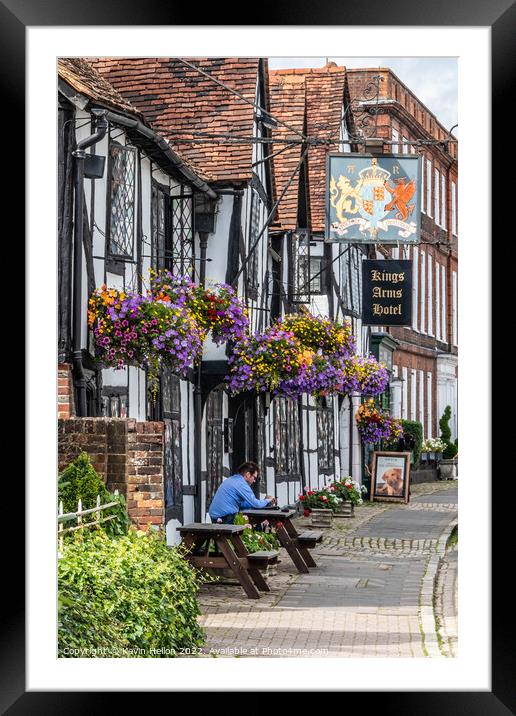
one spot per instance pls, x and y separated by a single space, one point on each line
320 277
215 113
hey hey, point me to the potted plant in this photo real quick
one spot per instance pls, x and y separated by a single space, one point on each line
321 505
348 493
448 464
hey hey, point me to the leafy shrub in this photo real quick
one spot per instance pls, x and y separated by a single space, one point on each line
413 429
127 593
80 481
451 449
256 539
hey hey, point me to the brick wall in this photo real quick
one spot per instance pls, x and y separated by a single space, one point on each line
65 406
129 457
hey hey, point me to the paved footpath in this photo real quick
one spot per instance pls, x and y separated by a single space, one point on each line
380 584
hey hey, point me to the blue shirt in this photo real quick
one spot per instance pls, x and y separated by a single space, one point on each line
233 495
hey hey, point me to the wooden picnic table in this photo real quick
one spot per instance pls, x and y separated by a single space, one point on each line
295 544
231 553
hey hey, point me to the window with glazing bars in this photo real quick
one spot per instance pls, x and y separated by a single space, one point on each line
121 213
287 437
160 202
254 230
307 275
325 439
180 239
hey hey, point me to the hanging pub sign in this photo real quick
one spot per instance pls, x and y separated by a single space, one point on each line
373 198
387 293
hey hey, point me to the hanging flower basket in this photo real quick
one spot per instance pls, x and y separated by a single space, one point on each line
321 335
217 308
267 361
375 424
143 331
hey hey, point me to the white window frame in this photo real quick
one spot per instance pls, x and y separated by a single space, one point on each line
415 288
429 396
454 308
430 294
423 184
429 176
404 147
404 390
443 201
443 298
454 207
422 302
437 215
395 140
413 393
421 413
437 300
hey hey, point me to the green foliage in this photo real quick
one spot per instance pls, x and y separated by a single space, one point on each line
444 425
451 449
129 593
80 481
415 429
256 540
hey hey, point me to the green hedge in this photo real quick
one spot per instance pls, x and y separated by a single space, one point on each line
80 480
414 428
451 449
120 595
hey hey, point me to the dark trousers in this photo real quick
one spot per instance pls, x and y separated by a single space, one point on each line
226 520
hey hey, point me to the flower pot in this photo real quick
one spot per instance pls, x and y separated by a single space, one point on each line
322 518
345 509
448 469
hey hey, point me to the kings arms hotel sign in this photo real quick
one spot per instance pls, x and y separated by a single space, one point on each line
373 198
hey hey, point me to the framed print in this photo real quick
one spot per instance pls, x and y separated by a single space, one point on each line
390 476
33 681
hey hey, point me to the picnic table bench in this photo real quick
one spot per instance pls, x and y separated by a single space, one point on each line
296 545
231 553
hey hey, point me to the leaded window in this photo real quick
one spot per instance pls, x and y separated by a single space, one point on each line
287 437
160 201
214 442
180 239
171 411
121 219
325 437
260 439
254 230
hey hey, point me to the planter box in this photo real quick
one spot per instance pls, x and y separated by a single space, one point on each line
345 509
322 518
448 469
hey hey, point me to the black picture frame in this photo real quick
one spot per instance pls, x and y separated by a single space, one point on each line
15 16
392 484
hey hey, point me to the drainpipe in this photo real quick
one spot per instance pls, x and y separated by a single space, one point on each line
80 154
203 244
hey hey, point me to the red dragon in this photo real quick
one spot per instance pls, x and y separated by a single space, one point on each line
401 194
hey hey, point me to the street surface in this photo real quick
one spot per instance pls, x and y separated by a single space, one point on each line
386 586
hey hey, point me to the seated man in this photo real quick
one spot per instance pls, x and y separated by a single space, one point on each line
235 494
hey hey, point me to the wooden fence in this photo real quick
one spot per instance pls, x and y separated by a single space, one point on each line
78 516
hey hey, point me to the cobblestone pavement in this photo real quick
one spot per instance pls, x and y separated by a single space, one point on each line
374 593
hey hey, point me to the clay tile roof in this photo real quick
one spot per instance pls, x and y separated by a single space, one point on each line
287 93
324 101
178 101
314 94
80 75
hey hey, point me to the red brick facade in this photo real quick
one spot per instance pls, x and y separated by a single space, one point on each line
404 119
65 406
129 457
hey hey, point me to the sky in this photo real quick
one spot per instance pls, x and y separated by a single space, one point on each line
432 79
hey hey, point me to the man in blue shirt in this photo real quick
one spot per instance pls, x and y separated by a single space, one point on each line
235 494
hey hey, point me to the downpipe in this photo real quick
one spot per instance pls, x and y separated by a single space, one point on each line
79 155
